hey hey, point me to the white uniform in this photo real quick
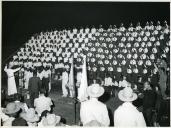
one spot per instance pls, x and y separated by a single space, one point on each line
27 76
108 81
12 89
123 83
64 83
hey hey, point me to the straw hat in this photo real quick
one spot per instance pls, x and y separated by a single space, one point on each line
11 108
30 115
51 120
127 95
95 90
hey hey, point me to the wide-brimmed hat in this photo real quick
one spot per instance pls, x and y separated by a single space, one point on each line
11 108
127 95
95 90
51 120
30 115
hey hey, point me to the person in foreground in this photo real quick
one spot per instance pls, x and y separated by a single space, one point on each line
127 114
42 103
94 110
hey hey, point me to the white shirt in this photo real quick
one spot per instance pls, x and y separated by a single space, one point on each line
94 110
42 103
108 81
9 121
4 117
40 75
79 77
123 83
127 115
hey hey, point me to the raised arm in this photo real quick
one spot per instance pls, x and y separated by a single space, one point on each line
5 69
156 67
17 69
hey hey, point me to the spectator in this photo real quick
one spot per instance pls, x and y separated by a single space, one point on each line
34 87
149 98
51 120
42 103
127 114
162 81
108 84
19 122
93 123
139 84
18 100
94 109
30 116
12 110
163 117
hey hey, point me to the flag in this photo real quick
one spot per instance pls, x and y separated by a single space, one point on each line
82 91
71 79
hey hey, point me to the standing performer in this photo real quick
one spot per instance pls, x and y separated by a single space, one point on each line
45 81
12 89
64 83
34 87
27 75
79 73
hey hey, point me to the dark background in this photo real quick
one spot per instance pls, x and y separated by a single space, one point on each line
20 20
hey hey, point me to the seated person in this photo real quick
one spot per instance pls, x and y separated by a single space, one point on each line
20 103
19 122
50 120
12 111
42 103
30 116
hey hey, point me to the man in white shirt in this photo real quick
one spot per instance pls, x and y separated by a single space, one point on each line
127 114
124 82
42 103
93 109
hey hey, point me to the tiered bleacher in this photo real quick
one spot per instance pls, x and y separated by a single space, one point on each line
116 50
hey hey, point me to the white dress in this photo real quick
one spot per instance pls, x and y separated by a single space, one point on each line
12 89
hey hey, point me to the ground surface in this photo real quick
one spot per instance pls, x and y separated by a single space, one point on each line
66 106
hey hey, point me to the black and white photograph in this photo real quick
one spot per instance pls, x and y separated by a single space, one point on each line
85 63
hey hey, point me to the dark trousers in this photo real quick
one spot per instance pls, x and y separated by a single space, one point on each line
114 91
45 85
33 95
148 116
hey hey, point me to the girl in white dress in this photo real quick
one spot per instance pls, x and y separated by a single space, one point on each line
12 89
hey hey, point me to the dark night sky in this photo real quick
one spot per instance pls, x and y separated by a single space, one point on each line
20 20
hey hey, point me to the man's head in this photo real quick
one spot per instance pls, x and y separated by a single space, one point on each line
123 77
139 78
34 73
147 85
42 91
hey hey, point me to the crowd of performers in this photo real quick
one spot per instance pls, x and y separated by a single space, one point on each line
144 103
117 58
